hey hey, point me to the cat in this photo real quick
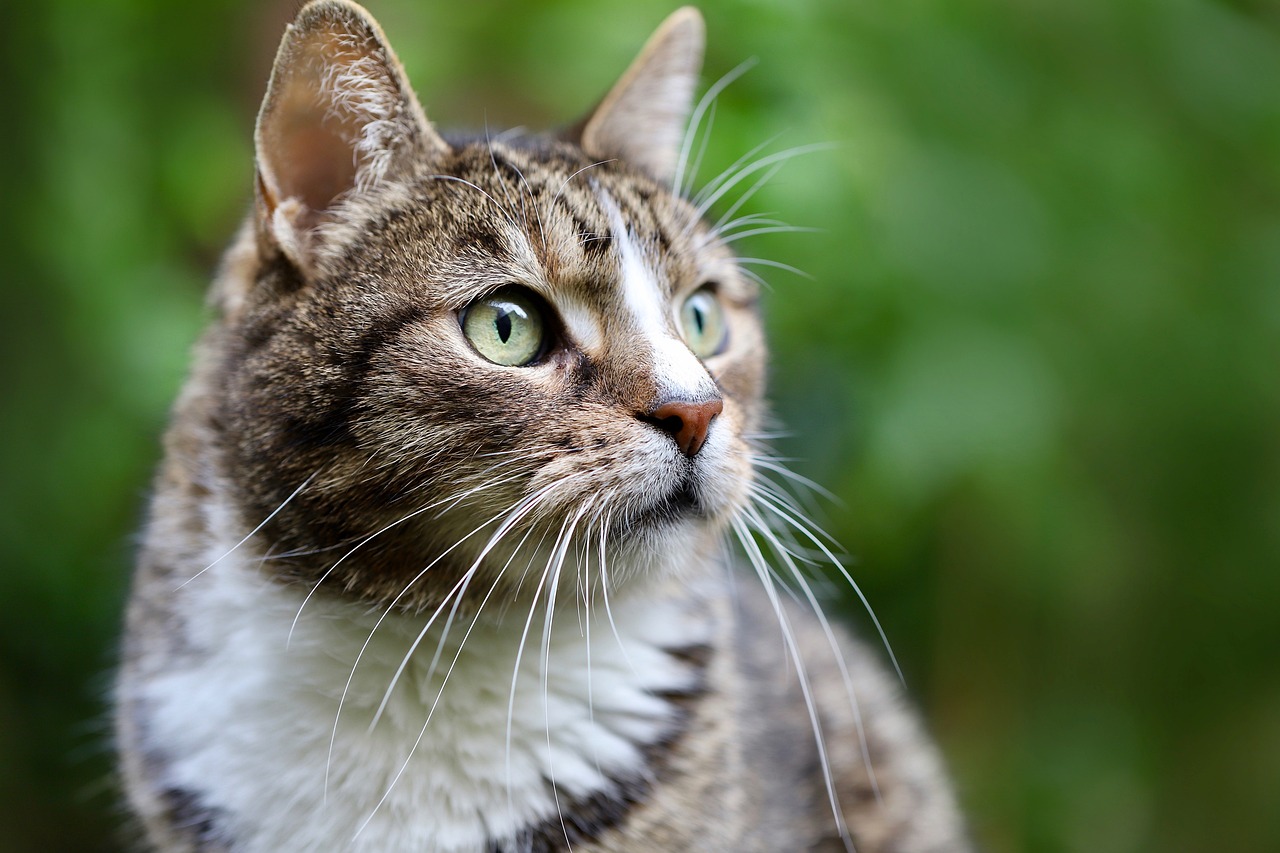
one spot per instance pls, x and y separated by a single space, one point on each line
434 558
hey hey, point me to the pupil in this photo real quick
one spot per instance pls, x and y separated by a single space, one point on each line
699 321
503 323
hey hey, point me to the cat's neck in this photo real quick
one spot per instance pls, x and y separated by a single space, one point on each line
299 715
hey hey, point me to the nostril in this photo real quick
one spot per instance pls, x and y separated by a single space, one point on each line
671 424
686 422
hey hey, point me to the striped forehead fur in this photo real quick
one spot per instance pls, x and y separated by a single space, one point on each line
536 205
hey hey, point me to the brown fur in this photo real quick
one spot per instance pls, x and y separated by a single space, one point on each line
336 396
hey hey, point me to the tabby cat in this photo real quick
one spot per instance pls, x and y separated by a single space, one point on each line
435 557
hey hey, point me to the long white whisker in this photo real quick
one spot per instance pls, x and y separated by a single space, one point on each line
757 560
748 219
708 98
765 262
517 513
515 670
493 160
604 591
560 191
250 534
430 713
545 666
451 501
804 531
733 169
528 194
778 468
702 150
445 681
756 277
759 524
775 490
455 179
588 594
763 163
333 735
747 196
522 509
771 229
774 433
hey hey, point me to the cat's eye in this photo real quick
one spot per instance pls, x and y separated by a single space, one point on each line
703 324
507 327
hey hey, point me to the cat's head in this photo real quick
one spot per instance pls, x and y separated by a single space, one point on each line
504 354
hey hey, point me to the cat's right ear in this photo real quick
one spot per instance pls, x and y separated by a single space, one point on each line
338 118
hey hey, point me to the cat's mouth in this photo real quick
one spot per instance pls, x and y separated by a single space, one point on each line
681 503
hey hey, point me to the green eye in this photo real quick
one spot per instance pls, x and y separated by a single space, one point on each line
703 325
507 327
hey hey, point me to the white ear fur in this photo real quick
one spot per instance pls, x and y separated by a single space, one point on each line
339 116
642 119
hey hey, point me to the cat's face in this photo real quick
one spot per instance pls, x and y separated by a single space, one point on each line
475 362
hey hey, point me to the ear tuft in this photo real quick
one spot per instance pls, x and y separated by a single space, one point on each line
338 117
642 119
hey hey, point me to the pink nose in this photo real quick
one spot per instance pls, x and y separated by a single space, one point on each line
685 422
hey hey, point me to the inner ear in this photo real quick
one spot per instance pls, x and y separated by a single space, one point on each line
339 116
311 149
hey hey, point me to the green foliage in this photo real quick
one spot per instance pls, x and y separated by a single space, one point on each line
1037 359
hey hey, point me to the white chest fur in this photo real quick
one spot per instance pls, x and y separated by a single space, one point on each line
489 741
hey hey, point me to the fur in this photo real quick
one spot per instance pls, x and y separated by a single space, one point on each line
393 595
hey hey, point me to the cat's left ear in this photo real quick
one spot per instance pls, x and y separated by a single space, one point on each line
338 118
642 119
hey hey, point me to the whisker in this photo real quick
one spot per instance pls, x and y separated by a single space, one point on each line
774 464
455 179
743 222
251 533
517 513
765 262
786 497
763 163
728 173
559 192
444 682
748 219
333 735
426 723
515 671
274 556
588 594
604 590
756 557
708 98
756 277
702 150
528 193
771 229
758 523
451 500
844 572
769 436
493 160
545 665
746 196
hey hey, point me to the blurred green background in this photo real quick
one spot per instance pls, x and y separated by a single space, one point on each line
1039 359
